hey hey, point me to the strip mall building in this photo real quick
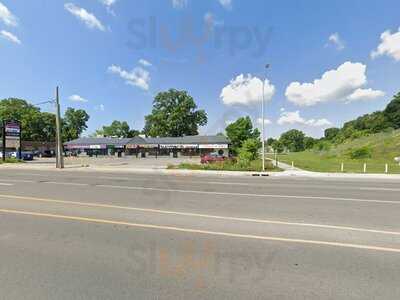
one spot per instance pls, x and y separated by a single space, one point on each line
143 146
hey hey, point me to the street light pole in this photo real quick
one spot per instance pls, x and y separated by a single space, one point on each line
59 147
263 121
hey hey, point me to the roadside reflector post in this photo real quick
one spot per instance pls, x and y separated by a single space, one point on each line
342 168
292 164
365 168
386 168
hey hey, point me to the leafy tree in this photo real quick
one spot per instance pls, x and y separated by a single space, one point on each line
309 142
74 123
174 114
240 131
392 112
331 133
249 150
118 129
278 146
36 125
293 140
270 141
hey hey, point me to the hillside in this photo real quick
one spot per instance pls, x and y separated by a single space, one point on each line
375 150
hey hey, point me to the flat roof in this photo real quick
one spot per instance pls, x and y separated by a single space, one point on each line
197 139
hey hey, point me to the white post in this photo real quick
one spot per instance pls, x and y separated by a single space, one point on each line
342 168
386 168
365 168
292 164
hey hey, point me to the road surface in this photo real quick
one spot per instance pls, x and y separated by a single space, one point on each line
83 235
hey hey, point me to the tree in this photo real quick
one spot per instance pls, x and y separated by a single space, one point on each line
36 125
331 133
249 150
392 112
293 140
174 114
116 129
74 123
278 146
309 142
270 141
240 131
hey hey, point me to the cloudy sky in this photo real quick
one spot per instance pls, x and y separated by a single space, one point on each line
329 62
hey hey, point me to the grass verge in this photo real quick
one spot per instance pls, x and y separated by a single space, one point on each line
10 160
255 166
325 162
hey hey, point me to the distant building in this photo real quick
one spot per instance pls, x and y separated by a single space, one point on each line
143 146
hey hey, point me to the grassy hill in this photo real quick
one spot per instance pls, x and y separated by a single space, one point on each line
375 150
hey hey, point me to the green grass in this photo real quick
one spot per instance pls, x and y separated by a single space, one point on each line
11 160
255 166
384 148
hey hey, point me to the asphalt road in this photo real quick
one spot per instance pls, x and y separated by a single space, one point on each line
82 235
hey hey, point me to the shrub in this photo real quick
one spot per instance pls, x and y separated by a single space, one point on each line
249 151
359 153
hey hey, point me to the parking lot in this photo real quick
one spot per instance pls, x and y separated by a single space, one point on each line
123 162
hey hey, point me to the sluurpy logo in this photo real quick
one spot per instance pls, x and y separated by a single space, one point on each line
152 33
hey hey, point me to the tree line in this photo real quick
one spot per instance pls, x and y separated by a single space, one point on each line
386 120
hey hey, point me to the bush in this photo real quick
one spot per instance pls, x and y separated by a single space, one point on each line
322 146
359 153
249 151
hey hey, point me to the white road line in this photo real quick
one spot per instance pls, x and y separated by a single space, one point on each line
380 189
249 194
207 232
65 183
6 184
185 214
267 184
18 180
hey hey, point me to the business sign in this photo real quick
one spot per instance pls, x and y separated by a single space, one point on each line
213 146
12 129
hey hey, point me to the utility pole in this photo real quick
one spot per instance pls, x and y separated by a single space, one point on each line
59 146
263 121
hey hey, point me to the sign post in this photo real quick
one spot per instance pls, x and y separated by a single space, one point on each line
11 132
3 129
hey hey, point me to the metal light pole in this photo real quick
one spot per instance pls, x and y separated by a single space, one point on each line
59 147
263 121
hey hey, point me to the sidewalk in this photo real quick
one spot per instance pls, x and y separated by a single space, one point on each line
288 173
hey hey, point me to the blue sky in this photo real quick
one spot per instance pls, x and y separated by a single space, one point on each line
331 61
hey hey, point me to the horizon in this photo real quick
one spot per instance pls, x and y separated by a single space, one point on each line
112 57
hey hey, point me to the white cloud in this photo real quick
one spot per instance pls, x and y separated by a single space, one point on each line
179 4
266 121
390 45
108 3
227 4
138 77
246 90
77 98
99 107
365 94
9 36
82 14
291 118
337 41
334 85
145 63
211 21
7 17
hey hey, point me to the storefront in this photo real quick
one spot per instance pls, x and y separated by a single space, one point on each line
144 147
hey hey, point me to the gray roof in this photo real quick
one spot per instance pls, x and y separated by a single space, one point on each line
198 139
99 141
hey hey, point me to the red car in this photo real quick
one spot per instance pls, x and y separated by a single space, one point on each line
212 157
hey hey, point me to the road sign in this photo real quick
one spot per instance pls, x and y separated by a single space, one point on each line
12 129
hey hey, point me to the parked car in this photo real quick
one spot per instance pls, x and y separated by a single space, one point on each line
212 158
47 153
26 155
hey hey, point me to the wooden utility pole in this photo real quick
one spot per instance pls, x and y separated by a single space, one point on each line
59 150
